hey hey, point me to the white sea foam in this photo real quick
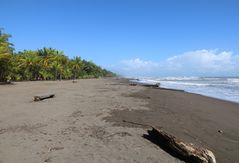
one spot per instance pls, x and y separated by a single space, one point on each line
233 80
218 87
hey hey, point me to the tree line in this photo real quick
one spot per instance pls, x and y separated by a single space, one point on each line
43 64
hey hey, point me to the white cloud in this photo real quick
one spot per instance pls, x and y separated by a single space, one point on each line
205 62
135 67
136 64
200 62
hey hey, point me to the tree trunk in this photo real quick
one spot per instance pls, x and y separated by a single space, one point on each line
56 75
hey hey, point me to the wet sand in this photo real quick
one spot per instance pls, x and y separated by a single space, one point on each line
83 123
204 121
70 127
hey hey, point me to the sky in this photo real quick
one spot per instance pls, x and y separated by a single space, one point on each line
132 37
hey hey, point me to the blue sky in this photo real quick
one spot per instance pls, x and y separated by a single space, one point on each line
132 37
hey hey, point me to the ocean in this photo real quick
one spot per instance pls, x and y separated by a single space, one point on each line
225 88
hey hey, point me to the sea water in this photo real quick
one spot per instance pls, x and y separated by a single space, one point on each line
226 88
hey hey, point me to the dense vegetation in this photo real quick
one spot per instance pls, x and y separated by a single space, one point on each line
43 64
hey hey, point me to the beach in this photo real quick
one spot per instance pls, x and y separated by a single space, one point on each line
84 122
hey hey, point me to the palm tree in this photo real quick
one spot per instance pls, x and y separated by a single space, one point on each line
6 51
48 63
29 62
76 65
53 61
47 56
67 73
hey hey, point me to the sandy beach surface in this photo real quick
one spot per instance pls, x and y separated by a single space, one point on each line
83 123
70 127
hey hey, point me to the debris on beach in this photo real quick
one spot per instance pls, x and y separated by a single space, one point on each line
220 131
55 149
133 84
47 160
8 82
178 148
43 97
157 85
185 151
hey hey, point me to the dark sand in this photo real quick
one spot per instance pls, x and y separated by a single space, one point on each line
191 117
70 127
83 123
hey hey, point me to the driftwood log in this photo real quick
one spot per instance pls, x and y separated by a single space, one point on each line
43 97
152 85
157 85
186 151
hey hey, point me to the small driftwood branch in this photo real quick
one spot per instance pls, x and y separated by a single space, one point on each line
187 151
43 97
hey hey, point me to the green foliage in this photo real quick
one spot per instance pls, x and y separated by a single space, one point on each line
44 64
6 50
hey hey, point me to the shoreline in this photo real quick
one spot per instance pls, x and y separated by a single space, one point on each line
180 90
84 122
195 90
206 121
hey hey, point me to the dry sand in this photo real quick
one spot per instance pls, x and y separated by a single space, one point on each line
70 127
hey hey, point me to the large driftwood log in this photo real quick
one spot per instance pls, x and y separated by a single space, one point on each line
187 151
157 85
152 85
43 97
